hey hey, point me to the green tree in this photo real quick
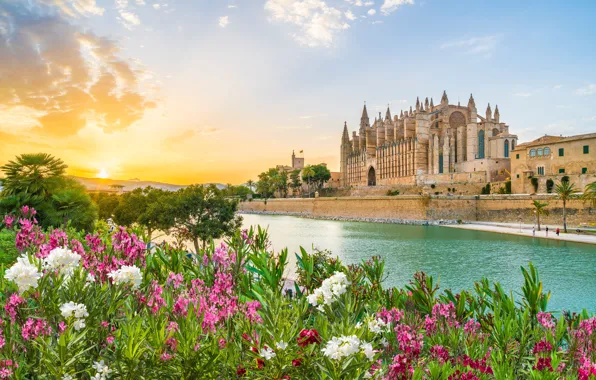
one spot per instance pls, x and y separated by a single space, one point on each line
590 193
149 208
250 184
282 183
316 175
295 182
308 174
39 180
204 213
565 191
539 209
266 185
106 203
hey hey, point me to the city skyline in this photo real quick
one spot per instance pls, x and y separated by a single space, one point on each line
220 91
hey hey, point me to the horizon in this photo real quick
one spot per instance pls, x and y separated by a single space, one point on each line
217 92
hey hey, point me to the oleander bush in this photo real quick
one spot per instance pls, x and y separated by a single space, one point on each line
100 305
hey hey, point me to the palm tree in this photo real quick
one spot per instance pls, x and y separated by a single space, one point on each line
307 174
540 209
32 175
250 183
565 191
590 193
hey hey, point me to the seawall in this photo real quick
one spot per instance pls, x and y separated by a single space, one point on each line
486 208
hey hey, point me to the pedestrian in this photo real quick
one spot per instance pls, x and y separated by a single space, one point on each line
533 231
558 231
546 231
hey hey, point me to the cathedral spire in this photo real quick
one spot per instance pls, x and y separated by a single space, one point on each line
410 111
431 104
497 115
426 104
401 114
444 98
471 102
388 114
417 104
345 135
364 120
489 113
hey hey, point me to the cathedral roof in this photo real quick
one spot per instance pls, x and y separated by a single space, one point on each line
549 139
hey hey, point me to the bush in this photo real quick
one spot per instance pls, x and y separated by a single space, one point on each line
549 185
392 192
534 182
508 187
485 189
565 178
8 251
104 304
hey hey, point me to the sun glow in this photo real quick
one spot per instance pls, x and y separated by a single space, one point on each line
103 173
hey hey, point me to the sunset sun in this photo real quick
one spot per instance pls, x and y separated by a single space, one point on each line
103 173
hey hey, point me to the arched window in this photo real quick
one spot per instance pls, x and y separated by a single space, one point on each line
506 148
547 151
481 144
495 131
532 152
539 152
512 144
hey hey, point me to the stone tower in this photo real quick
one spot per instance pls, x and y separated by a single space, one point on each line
345 151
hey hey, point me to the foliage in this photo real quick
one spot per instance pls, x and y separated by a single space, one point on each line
565 191
534 182
549 185
295 181
106 204
8 251
316 175
267 184
590 194
240 192
203 213
486 189
392 192
39 180
223 314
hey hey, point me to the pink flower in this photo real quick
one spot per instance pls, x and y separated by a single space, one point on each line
11 306
8 221
175 279
110 339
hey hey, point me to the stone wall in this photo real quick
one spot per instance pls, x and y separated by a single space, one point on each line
489 208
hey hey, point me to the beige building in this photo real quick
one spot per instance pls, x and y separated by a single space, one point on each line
439 144
550 158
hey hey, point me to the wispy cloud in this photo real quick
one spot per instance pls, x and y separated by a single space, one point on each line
76 8
481 46
557 86
390 6
224 21
523 94
588 90
293 127
371 12
232 6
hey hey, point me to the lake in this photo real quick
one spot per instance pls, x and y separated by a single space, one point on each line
456 257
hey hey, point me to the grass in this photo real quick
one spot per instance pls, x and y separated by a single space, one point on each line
8 251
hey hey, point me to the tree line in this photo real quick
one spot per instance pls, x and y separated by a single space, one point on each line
277 182
195 213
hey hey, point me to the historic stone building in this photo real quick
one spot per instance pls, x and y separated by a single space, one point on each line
432 144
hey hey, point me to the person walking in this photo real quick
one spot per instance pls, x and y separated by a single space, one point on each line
546 231
558 230
533 231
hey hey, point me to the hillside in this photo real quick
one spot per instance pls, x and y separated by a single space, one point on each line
99 184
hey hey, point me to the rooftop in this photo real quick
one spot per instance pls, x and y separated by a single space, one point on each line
548 139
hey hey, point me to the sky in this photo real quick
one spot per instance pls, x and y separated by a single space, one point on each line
199 91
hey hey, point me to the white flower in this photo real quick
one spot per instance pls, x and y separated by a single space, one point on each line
79 324
376 325
67 377
24 274
90 278
330 289
267 353
358 325
338 348
71 309
368 350
384 342
102 369
62 259
127 274
281 345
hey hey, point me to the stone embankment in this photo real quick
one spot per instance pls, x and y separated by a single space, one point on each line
354 219
412 209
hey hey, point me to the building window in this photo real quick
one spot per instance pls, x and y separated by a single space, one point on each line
584 170
541 170
562 171
546 151
539 152
561 152
481 144
506 148
586 149
517 176
532 152
517 156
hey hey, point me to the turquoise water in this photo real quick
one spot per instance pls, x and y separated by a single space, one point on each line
457 257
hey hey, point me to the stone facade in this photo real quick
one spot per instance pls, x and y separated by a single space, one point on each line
551 158
430 144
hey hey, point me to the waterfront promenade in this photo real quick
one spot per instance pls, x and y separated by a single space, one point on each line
526 230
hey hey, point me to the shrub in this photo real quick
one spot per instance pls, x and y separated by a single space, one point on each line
549 185
565 178
534 182
485 189
392 192
508 187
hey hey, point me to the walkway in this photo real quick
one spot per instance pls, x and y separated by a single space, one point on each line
526 230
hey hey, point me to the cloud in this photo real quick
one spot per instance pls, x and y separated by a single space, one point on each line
588 90
377 22
232 6
593 118
223 21
129 19
523 94
75 8
482 46
371 12
390 6
64 77
349 15
557 86
318 23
